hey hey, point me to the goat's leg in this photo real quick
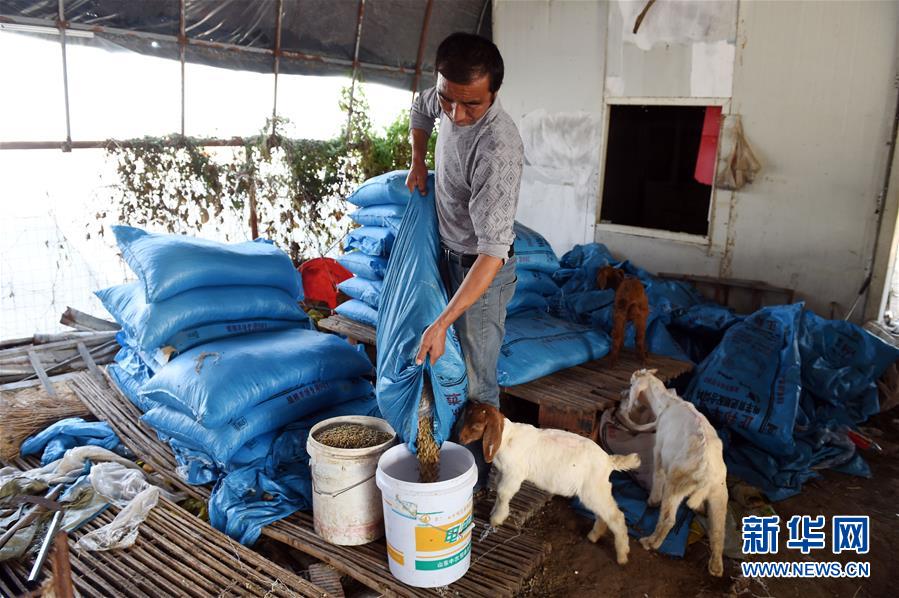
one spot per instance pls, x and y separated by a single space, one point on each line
638 317
618 330
670 502
717 513
658 479
506 489
600 501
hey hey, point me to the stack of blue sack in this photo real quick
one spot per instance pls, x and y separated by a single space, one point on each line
381 202
536 342
227 369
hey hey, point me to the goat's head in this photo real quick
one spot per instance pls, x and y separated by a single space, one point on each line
636 410
609 277
485 423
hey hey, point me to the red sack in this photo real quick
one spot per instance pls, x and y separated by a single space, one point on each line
320 279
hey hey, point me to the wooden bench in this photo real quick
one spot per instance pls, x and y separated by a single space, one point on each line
571 399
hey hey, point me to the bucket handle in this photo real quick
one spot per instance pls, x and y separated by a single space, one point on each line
337 492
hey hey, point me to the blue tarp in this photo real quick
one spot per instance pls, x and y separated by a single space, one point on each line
59 437
412 298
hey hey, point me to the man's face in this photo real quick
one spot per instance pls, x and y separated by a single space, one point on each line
465 104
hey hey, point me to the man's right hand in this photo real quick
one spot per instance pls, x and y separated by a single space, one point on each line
418 177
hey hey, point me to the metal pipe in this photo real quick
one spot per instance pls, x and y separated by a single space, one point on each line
422 40
349 117
26 519
182 47
277 62
45 546
61 24
108 144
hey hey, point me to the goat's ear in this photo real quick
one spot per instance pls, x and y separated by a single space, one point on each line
493 434
601 276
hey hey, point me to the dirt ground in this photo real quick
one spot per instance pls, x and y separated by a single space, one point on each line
578 568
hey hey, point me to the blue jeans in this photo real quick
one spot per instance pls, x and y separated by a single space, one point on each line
481 328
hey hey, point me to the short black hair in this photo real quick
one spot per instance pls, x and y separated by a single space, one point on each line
464 57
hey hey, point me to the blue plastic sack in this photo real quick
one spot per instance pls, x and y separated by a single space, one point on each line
658 338
750 384
532 251
196 467
358 311
840 360
57 438
388 188
151 325
535 281
526 301
371 240
171 264
221 380
222 442
253 496
383 215
366 266
412 298
537 344
363 289
199 335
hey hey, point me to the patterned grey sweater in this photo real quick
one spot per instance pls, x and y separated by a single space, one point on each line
478 175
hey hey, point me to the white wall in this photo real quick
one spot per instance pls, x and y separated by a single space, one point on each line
813 82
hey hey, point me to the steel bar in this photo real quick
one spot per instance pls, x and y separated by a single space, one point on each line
45 546
61 24
349 117
422 41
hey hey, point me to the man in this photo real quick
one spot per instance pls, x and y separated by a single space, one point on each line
479 159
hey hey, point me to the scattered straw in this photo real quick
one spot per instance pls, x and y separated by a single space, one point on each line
29 410
351 436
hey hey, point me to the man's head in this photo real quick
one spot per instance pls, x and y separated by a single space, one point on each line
469 73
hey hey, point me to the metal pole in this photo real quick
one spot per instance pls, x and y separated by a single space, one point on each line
349 116
182 46
277 66
61 24
422 40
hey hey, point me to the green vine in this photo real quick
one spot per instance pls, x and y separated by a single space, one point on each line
299 185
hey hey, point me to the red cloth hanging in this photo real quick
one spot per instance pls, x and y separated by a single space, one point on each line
320 279
708 146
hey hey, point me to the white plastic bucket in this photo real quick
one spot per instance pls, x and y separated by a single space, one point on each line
428 526
346 504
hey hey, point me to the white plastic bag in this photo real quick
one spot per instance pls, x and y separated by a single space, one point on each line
123 530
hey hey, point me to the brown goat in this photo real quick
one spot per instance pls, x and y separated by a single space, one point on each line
630 304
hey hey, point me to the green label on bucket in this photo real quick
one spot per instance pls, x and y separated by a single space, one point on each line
443 563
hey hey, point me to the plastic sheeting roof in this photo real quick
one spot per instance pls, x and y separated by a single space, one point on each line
317 37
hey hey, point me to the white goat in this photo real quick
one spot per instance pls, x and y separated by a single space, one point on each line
688 461
555 461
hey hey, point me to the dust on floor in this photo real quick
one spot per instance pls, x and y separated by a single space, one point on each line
578 568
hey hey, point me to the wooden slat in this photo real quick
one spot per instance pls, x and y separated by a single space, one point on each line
500 564
39 370
175 554
349 328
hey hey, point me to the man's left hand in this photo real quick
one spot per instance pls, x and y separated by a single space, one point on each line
433 343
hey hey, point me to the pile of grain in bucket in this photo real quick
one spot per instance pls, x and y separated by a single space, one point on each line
428 451
351 436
